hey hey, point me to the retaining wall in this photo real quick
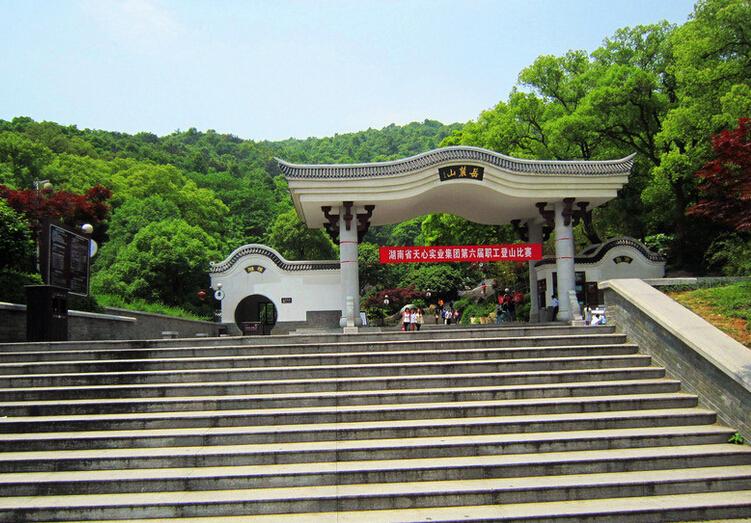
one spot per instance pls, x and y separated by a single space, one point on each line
710 363
114 324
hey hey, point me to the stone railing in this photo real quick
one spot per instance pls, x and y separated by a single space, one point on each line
709 363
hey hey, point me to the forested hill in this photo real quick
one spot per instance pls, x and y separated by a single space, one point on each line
241 174
187 198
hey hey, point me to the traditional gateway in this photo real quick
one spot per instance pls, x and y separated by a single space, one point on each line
539 197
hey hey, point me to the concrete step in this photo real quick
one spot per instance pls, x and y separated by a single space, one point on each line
731 506
231 474
286 386
377 496
542 424
322 359
344 398
106 376
518 331
108 459
241 350
397 426
341 414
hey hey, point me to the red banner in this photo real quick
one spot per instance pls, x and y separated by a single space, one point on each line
519 252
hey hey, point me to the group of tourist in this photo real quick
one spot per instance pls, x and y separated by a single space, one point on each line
412 319
446 313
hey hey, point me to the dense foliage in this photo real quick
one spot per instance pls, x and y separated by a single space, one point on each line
181 200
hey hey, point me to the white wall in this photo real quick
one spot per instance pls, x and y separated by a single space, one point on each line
310 290
606 269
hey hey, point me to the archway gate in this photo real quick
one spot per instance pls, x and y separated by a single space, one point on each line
538 196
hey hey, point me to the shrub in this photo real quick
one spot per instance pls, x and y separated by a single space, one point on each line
12 285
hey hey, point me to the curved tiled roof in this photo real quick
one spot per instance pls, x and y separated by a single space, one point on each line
274 257
600 252
457 154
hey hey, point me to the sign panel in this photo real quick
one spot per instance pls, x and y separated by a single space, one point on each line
459 172
64 258
255 268
287 300
519 252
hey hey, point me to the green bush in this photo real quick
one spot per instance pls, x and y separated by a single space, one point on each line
12 285
475 309
118 302
730 255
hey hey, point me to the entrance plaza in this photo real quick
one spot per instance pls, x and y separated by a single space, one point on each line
539 197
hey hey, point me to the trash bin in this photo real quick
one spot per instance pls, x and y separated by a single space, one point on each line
252 328
46 313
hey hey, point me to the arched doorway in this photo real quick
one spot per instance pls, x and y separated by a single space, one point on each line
255 314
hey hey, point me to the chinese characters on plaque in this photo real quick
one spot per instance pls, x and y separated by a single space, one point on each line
519 252
458 172
64 258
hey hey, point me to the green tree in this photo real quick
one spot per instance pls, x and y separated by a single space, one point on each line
374 275
24 157
295 241
443 279
167 262
16 241
712 67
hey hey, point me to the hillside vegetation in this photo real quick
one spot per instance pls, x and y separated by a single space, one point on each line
182 200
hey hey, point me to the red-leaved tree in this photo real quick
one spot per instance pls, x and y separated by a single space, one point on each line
726 181
72 209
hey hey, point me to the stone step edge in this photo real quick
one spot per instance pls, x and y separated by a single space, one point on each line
307 368
338 410
376 444
609 508
341 394
281 358
570 458
396 337
364 491
364 425
346 379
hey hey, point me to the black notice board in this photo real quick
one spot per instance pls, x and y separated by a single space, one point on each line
64 258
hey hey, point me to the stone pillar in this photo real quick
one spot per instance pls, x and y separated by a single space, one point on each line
349 267
564 257
534 235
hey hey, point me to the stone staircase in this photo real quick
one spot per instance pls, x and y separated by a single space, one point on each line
494 424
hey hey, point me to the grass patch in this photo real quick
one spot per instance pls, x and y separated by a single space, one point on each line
117 302
727 307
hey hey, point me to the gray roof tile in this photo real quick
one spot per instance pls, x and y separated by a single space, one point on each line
454 154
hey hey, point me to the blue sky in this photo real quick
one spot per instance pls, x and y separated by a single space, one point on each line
279 69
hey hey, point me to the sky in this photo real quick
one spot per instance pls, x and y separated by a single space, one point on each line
270 70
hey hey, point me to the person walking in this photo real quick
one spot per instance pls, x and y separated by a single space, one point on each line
419 319
555 304
405 319
508 304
